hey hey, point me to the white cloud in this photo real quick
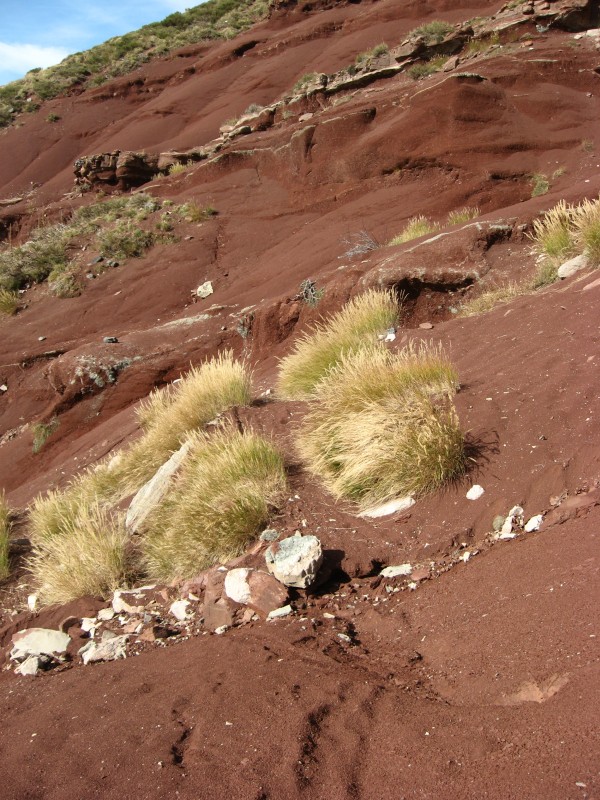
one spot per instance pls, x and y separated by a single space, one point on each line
19 58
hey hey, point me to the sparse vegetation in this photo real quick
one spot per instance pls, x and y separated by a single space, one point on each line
178 169
52 118
540 184
586 230
215 19
432 32
376 52
9 302
77 549
482 44
309 293
194 212
4 538
552 235
426 68
304 81
42 431
414 228
225 492
353 328
125 240
462 215
383 425
360 243
492 298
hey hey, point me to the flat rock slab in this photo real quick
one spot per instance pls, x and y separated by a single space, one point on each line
39 642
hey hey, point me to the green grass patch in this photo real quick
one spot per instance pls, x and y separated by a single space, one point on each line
414 228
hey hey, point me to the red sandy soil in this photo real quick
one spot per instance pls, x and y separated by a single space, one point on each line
481 683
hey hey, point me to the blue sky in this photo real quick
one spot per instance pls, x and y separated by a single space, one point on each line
39 33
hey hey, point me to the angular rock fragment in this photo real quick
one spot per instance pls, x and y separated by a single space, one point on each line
295 561
38 642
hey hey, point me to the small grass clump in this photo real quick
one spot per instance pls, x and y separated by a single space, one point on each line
77 549
432 32
426 68
194 212
553 234
586 230
9 302
414 228
34 260
4 538
540 184
42 431
125 240
353 328
492 298
384 425
222 497
304 81
461 215
177 169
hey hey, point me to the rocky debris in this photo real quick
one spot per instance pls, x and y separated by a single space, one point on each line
179 609
256 589
110 648
269 535
31 666
573 265
39 642
204 290
534 523
475 492
391 507
295 561
125 169
121 598
152 493
277 613
396 571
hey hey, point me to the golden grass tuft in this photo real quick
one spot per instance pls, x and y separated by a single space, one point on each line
383 425
414 228
586 230
4 538
492 298
9 302
223 495
464 214
552 234
78 548
353 328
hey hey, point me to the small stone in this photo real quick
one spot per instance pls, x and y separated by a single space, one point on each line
465 556
475 492
106 614
110 340
327 615
498 522
295 561
220 630
572 266
32 602
88 625
41 338
391 507
112 263
396 571
30 666
269 535
97 260
284 611
204 290
426 326
179 609
515 517
3 387
344 637
534 523
236 586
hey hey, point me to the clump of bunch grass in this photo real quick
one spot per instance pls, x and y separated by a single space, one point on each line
464 214
426 68
223 495
384 425
4 538
586 230
42 431
178 169
34 260
9 302
432 32
125 240
553 233
353 328
492 298
77 549
540 184
414 228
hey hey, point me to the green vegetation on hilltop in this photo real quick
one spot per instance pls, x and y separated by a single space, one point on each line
215 19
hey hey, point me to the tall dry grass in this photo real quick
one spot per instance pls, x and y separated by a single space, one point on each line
351 329
223 495
4 538
384 425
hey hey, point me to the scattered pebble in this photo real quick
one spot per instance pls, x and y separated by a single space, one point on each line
534 523
396 571
475 492
284 611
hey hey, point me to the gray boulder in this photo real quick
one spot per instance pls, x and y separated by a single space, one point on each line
295 561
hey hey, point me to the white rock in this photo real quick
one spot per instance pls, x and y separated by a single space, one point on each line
396 571
284 611
32 602
107 650
534 523
88 625
3 388
152 493
295 561
391 507
572 266
120 599
515 517
221 629
106 614
475 492
179 609
30 666
38 642
204 290
237 587
465 556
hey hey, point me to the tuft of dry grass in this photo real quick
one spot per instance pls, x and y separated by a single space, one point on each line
77 549
464 214
4 538
586 230
414 228
492 298
384 425
353 328
222 497
9 302
552 234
